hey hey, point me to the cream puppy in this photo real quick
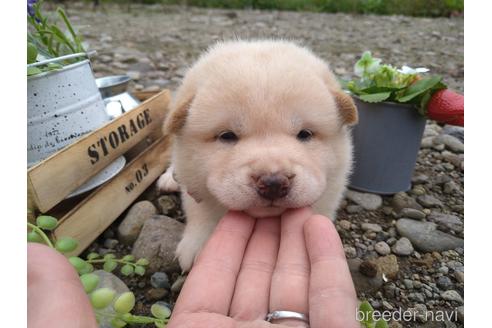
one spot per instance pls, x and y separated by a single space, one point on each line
260 127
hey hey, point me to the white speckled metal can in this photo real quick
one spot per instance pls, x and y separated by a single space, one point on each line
62 106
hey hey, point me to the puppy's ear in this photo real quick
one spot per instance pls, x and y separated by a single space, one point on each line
346 108
345 104
177 117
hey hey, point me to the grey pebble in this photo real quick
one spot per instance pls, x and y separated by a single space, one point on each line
391 241
350 252
168 204
401 200
455 159
451 188
387 305
155 294
157 243
443 270
452 295
425 236
130 227
459 276
420 179
408 283
159 280
461 313
382 248
444 283
403 246
417 297
366 200
353 209
427 142
178 284
110 243
429 201
344 224
447 221
456 131
412 213
450 142
371 227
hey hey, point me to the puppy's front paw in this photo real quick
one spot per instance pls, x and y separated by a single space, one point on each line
186 252
166 182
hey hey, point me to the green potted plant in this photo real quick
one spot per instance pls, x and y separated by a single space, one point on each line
63 101
393 106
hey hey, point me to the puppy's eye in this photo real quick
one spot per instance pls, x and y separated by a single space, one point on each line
228 137
305 135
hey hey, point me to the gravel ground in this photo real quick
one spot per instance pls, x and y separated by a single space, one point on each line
392 264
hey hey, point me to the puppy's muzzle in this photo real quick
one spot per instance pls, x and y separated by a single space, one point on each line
273 186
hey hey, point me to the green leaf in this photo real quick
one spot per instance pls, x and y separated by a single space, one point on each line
160 324
32 53
142 261
46 222
375 97
366 310
117 323
110 265
109 256
140 270
66 245
160 311
128 258
87 269
127 270
102 297
381 324
128 317
89 281
423 102
53 66
357 86
34 237
385 76
92 256
124 303
377 89
62 38
419 87
79 264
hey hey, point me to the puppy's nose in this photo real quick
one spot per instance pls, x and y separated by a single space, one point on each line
272 186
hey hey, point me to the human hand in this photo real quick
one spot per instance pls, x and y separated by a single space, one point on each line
251 267
55 296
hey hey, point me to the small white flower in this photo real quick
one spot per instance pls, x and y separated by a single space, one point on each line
366 64
408 70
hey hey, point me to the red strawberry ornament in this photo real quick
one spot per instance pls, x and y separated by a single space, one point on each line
447 107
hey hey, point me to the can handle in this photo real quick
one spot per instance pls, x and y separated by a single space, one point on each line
53 60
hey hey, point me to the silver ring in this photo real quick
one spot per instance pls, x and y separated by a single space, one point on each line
276 315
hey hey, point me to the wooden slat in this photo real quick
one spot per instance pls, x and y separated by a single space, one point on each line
50 181
92 216
144 95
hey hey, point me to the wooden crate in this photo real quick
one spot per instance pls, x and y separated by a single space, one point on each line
50 181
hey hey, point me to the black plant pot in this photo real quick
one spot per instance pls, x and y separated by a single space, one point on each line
386 143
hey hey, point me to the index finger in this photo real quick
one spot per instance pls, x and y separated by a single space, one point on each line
332 297
210 284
